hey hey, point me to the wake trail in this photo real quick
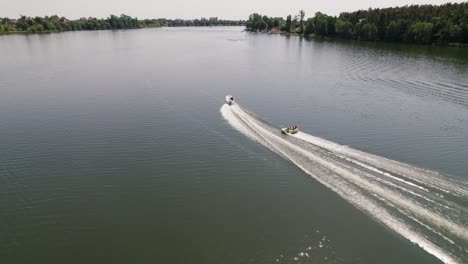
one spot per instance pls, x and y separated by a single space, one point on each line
422 206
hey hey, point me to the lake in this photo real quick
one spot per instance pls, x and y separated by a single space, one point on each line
116 148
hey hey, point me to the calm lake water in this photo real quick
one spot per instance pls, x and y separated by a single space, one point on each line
113 149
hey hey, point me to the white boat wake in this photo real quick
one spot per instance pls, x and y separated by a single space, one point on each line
424 207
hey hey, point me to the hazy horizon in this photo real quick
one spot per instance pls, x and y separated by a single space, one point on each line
235 10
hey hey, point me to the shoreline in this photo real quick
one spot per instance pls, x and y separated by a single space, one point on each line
25 32
314 36
269 32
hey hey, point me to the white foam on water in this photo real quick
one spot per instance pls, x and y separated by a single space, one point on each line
354 185
430 178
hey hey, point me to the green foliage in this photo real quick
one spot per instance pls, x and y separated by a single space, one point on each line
309 28
5 25
255 23
393 31
56 23
331 21
283 28
277 22
368 32
22 24
320 24
302 15
288 24
421 32
36 28
200 22
344 28
151 23
464 32
258 23
121 22
423 24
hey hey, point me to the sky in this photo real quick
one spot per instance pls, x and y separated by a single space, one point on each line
185 9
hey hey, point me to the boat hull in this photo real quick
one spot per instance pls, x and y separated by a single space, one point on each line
288 131
229 99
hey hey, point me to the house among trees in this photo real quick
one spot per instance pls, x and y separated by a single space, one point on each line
422 24
11 22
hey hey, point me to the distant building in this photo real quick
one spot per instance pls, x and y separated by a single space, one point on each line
275 30
88 18
213 19
11 22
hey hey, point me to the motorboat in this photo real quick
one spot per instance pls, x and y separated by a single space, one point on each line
290 130
229 99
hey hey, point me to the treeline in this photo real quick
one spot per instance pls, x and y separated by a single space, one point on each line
203 22
56 23
422 24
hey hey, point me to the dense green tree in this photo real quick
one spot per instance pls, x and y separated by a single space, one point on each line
302 15
250 24
22 24
380 27
368 31
344 28
309 27
331 20
254 22
36 28
320 24
393 32
155 22
56 23
277 22
421 32
288 24
262 25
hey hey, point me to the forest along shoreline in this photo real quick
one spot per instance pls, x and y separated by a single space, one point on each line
443 25
48 24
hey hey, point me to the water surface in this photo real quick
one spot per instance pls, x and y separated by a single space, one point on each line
113 148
